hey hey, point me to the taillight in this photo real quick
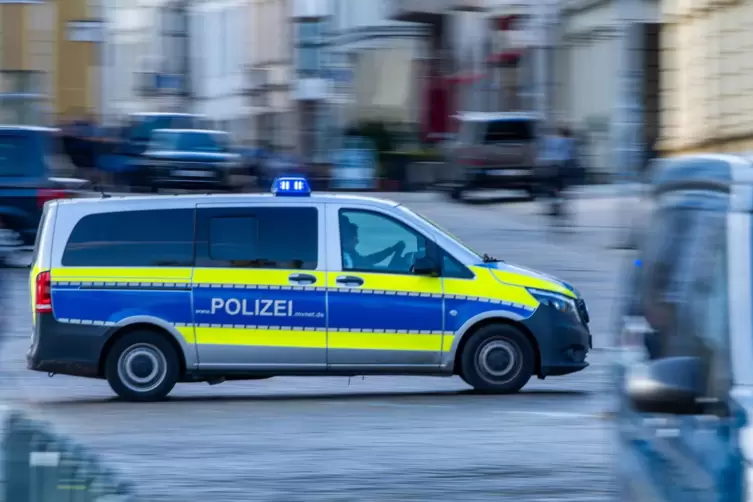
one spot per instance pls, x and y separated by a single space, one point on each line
48 194
43 300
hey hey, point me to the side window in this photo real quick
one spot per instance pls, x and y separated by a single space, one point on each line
233 238
373 242
152 238
452 268
272 238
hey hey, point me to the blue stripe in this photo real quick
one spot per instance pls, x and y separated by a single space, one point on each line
116 305
364 311
466 310
261 307
287 308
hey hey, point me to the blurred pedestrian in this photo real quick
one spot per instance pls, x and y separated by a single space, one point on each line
558 162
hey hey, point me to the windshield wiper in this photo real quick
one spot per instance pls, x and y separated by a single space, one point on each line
491 259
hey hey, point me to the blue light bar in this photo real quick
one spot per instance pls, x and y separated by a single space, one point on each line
291 187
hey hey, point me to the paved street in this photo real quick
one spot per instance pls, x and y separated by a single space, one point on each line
378 438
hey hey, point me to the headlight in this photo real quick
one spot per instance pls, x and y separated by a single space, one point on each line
559 302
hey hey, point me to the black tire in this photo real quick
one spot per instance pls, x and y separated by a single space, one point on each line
502 349
457 192
532 192
148 350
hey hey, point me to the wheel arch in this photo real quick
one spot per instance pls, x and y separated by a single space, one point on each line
157 328
472 327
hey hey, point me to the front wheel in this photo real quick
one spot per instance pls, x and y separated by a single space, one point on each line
497 359
142 366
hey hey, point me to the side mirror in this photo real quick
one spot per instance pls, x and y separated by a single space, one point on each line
426 266
671 386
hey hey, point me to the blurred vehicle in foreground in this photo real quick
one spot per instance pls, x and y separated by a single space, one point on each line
685 365
494 151
151 291
26 161
188 158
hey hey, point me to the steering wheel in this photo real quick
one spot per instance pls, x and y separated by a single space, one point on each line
398 259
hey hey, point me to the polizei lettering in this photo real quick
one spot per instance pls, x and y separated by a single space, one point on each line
263 308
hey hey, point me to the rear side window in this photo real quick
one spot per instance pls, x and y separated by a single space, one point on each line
272 238
153 238
510 130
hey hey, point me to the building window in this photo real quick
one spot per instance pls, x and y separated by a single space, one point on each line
309 47
21 97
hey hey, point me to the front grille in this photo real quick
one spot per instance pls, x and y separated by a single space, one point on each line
582 310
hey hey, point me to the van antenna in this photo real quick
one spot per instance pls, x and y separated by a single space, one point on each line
102 191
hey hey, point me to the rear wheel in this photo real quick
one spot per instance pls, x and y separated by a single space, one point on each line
497 359
142 366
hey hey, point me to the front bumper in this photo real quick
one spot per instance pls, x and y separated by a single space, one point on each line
564 342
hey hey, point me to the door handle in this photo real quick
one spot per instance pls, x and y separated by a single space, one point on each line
349 280
302 278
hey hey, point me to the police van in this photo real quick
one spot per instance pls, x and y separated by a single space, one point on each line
685 365
153 290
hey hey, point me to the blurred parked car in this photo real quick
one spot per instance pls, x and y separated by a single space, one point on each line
188 158
27 157
137 133
494 151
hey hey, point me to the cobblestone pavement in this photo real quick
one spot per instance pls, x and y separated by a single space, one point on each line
372 439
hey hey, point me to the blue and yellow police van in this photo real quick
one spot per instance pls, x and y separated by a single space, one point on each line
685 361
149 291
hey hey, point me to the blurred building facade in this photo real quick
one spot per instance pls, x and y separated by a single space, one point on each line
482 55
311 84
130 66
218 34
706 76
270 74
27 49
79 51
591 74
375 66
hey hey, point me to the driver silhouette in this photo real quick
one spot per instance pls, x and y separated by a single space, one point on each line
352 259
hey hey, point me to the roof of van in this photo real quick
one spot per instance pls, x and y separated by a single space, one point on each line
191 200
495 116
